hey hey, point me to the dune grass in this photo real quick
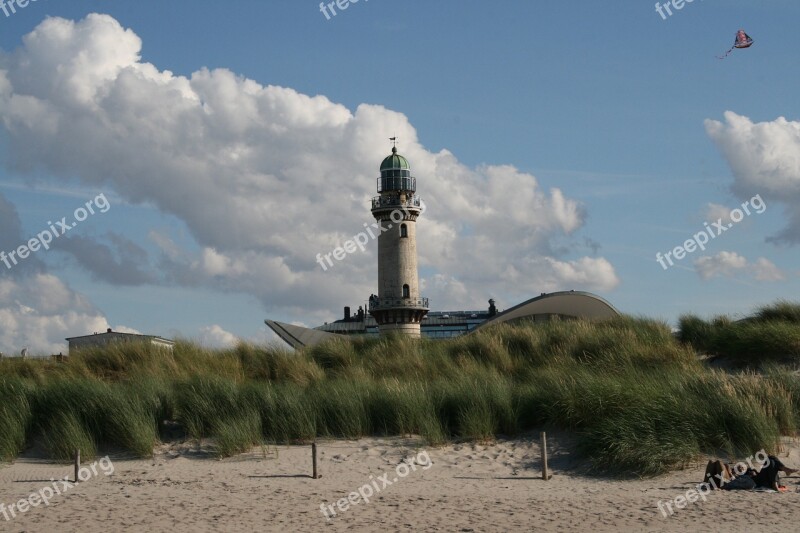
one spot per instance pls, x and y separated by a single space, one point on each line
85 413
782 311
16 416
639 399
772 334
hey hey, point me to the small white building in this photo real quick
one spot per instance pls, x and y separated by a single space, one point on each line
112 337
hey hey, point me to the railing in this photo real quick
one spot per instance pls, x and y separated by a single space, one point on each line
392 303
394 201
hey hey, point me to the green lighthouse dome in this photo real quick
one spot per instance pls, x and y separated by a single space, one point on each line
395 162
396 175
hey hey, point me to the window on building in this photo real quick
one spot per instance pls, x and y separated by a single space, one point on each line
406 291
403 230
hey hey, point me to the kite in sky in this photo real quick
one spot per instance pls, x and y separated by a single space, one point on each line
742 41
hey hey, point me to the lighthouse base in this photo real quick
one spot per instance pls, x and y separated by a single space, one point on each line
412 329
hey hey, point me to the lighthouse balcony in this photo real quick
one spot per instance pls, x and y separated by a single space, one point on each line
394 201
379 304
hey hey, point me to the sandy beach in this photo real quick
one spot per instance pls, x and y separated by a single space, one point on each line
460 487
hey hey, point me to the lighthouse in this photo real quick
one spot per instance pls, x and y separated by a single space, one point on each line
398 306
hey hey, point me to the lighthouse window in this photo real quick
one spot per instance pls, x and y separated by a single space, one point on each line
406 291
403 230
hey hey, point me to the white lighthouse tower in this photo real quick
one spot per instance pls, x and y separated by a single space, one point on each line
398 307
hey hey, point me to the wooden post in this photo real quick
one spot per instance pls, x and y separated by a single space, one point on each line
77 463
314 458
545 471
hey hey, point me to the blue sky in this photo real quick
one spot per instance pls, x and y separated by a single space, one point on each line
641 132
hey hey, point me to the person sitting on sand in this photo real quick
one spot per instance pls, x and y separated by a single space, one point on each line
768 476
742 481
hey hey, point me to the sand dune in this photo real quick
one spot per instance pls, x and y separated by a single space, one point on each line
465 487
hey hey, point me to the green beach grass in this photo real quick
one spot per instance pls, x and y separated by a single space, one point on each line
772 334
638 398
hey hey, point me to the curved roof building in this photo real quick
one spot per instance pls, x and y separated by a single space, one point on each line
398 307
566 304
447 324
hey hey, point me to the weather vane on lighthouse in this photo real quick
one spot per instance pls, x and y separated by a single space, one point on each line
394 141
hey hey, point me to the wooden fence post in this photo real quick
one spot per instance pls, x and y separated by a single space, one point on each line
545 470
77 463
314 459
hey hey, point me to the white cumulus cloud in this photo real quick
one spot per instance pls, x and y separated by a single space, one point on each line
265 178
716 212
40 311
765 160
215 337
730 263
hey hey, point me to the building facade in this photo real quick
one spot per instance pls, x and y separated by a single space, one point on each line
113 337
